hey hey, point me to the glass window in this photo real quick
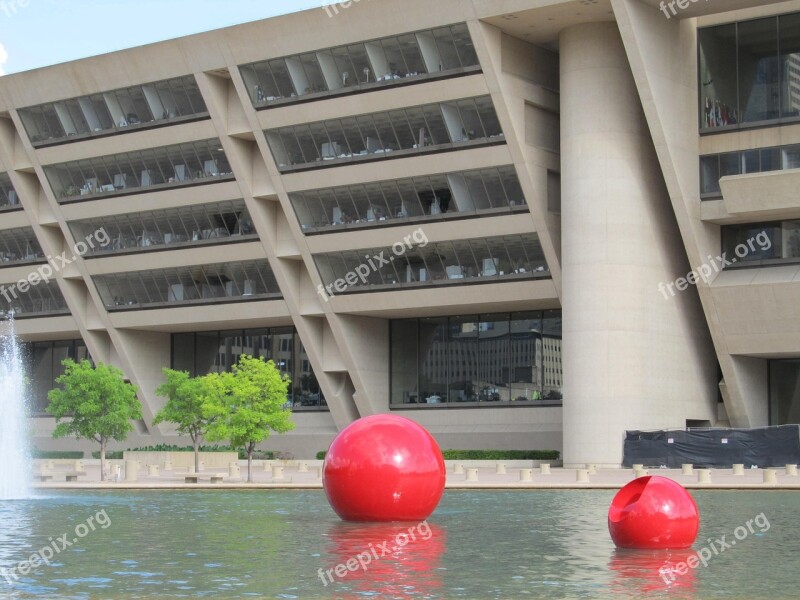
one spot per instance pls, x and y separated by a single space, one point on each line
203 284
382 62
114 111
433 360
759 92
488 358
784 392
372 136
173 166
752 242
718 91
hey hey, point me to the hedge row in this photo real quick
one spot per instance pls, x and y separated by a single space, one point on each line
491 455
117 454
501 454
56 455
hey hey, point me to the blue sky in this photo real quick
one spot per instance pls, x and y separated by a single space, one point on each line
36 33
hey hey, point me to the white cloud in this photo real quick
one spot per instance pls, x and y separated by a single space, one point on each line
3 59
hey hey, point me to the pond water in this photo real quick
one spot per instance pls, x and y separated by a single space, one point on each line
288 544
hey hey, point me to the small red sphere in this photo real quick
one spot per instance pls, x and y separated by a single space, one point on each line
653 513
384 468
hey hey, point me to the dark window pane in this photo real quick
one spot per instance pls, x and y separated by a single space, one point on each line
718 99
759 70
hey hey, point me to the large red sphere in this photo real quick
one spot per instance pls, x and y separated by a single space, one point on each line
653 513
384 468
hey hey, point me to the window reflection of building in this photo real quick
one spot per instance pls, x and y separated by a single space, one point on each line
489 358
43 364
784 378
217 352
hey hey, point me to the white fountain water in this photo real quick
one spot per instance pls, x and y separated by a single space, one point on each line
15 462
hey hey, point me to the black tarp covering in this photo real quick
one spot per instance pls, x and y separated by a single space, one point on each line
714 448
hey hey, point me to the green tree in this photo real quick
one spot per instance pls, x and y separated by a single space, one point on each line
252 406
191 405
94 403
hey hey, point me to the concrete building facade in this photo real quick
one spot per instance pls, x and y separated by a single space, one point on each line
477 214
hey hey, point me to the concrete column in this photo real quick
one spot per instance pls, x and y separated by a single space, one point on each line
633 358
131 470
526 474
687 469
738 469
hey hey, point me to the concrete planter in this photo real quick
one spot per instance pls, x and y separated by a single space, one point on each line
183 460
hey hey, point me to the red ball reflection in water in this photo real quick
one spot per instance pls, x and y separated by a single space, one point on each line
649 571
405 566
384 468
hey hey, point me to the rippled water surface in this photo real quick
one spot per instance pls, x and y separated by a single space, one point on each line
271 544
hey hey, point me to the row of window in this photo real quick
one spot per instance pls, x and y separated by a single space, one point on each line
175 227
762 244
180 165
217 351
204 284
488 358
417 263
358 67
26 301
387 134
394 60
433 197
749 72
19 246
8 196
760 160
136 107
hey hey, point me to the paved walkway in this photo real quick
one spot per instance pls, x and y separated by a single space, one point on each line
487 478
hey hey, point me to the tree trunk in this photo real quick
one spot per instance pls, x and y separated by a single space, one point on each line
196 444
102 460
250 448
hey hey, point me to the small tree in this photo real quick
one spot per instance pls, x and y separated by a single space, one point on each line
190 405
94 403
252 406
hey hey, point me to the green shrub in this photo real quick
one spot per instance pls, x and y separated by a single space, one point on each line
110 454
491 455
257 455
56 455
501 455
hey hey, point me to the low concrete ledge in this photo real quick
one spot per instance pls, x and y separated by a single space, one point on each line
762 196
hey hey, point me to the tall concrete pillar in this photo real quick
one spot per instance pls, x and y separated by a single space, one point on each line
633 358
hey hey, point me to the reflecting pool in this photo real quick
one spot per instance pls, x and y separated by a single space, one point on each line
290 544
